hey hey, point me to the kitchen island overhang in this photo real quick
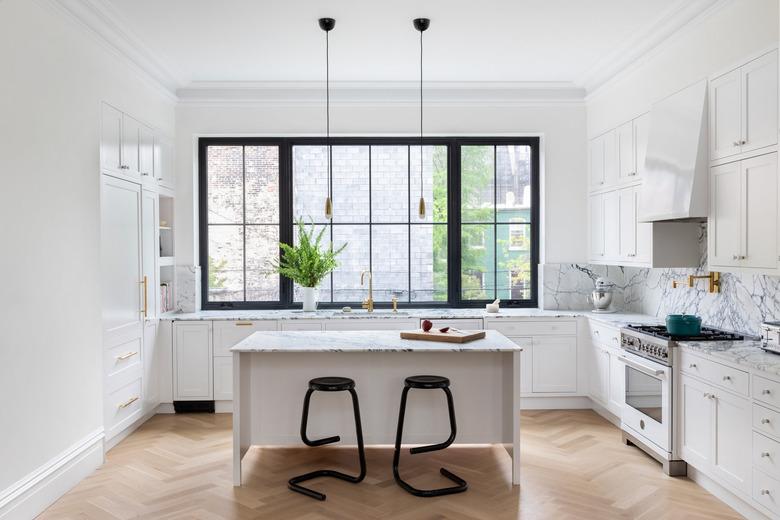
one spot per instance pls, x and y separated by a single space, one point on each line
271 371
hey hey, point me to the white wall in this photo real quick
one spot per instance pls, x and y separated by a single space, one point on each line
54 76
712 45
562 126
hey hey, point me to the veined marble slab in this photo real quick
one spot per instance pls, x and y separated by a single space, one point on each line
365 341
747 353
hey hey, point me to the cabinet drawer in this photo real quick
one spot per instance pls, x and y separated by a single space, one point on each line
766 390
534 328
604 334
228 333
122 407
122 363
737 381
766 420
766 454
457 323
766 491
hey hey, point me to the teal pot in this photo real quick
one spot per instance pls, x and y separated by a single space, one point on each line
683 325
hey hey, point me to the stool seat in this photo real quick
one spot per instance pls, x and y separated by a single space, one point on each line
331 384
427 382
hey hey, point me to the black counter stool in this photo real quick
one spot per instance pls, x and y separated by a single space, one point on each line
329 384
427 383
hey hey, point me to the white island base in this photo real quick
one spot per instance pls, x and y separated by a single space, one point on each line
271 371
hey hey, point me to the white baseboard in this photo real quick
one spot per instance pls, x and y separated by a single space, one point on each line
165 408
223 406
724 495
31 495
119 437
555 403
606 414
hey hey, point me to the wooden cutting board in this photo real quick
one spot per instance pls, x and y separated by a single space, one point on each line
451 336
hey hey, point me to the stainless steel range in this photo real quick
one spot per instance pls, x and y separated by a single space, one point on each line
647 415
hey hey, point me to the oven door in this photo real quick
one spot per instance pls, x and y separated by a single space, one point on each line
647 408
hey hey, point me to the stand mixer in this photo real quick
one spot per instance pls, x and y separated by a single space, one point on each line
601 297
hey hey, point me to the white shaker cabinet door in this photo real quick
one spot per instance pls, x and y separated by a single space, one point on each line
597 162
696 422
612 225
627 224
223 378
725 229
597 227
733 433
193 364
146 154
131 146
626 152
759 103
725 115
150 249
121 257
760 212
554 364
611 158
110 139
641 137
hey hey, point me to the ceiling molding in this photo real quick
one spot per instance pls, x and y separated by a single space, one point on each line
101 19
665 26
380 93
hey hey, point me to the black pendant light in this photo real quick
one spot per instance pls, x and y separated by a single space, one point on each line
421 24
327 25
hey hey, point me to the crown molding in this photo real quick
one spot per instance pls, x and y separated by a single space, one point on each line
380 93
102 21
673 21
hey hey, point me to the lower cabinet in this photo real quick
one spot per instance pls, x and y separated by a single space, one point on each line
715 429
151 362
193 361
598 384
223 378
554 362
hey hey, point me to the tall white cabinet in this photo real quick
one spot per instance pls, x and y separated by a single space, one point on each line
130 272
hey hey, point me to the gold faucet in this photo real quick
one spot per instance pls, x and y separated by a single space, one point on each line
368 304
713 278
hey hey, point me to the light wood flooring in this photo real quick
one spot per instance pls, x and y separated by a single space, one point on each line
574 467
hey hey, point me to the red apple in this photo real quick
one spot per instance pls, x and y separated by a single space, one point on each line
427 325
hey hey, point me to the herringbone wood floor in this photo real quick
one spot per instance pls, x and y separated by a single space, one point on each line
574 467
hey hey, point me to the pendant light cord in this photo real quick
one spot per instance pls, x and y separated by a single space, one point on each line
421 114
327 113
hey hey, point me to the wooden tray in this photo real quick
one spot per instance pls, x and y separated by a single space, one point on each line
451 336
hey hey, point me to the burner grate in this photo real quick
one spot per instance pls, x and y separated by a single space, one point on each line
707 334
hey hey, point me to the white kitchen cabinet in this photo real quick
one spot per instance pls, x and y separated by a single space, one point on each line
164 162
554 364
229 332
150 219
743 223
223 378
743 108
300 325
146 154
611 158
697 422
596 224
372 324
641 135
193 363
598 387
612 225
626 152
151 373
732 435
110 139
596 153
627 200
526 363
131 146
617 384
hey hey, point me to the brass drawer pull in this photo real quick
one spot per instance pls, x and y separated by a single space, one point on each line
127 355
244 324
765 421
128 402
765 454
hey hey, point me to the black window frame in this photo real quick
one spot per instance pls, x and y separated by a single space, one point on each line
453 224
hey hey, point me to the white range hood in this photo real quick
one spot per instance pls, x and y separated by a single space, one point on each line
675 186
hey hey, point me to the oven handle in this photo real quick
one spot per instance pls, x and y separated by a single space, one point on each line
643 368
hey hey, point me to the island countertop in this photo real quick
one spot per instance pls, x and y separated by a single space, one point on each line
365 341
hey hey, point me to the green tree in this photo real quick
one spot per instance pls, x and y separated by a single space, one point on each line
215 267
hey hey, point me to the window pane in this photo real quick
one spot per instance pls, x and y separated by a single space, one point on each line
324 288
513 183
514 261
389 184
353 260
226 263
477 184
310 183
477 259
390 261
262 248
350 184
261 165
434 183
429 263
225 167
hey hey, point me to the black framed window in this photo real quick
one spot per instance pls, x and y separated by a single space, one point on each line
478 240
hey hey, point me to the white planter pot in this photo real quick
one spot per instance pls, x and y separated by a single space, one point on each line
309 299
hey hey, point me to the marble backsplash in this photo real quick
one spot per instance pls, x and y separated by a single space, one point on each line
744 302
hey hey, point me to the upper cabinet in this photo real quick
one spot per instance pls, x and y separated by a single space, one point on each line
618 156
596 150
134 151
743 109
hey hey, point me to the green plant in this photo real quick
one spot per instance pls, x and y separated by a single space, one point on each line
307 264
215 266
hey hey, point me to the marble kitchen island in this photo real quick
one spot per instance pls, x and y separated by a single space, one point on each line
271 371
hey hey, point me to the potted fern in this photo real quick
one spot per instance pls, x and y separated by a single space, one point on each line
307 263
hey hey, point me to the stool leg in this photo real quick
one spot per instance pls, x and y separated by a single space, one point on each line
304 422
293 483
461 486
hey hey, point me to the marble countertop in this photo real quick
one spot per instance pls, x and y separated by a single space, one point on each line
747 353
365 341
614 319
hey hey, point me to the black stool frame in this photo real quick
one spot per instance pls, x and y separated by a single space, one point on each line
461 486
294 482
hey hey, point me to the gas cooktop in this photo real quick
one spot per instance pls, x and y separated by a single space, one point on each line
707 334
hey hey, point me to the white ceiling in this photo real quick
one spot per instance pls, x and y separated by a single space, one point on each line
469 40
